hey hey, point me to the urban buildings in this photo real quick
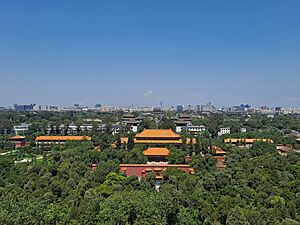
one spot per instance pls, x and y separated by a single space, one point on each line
203 109
193 129
23 127
24 107
206 108
179 108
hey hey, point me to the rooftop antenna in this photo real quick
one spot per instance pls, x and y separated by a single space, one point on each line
80 98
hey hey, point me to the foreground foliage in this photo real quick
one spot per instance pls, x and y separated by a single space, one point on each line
257 187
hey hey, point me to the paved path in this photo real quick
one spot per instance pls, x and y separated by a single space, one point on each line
5 153
28 160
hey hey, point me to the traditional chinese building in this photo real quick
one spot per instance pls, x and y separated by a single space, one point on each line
157 154
219 155
131 121
284 149
141 170
189 140
59 140
158 137
181 125
124 142
18 141
248 142
94 167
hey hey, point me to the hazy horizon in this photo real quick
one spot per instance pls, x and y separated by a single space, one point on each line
142 53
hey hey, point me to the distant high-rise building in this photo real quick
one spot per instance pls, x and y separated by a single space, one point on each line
206 108
98 106
41 107
247 106
189 108
157 110
264 107
278 109
237 109
179 108
24 107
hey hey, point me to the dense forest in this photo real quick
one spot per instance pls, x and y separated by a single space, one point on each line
257 187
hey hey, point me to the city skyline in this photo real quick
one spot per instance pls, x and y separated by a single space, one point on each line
206 107
122 53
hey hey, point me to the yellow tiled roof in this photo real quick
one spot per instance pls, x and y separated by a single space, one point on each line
158 141
247 140
220 151
63 138
157 133
17 137
156 152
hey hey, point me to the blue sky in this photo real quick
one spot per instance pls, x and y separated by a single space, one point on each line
143 52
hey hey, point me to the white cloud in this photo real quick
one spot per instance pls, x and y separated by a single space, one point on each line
148 93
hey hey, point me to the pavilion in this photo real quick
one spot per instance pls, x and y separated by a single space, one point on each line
18 141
